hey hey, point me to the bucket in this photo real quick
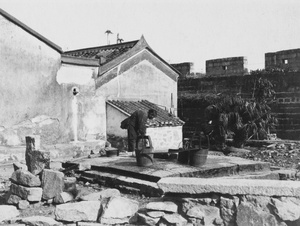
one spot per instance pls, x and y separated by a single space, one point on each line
198 157
144 148
183 157
144 160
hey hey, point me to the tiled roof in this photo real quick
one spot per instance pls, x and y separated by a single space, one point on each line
163 117
108 52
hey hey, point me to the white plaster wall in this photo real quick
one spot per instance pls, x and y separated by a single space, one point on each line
114 118
90 107
27 76
143 81
164 138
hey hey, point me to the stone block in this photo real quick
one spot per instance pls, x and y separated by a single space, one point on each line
174 219
118 210
32 194
229 186
18 165
63 197
147 220
25 178
89 224
80 211
8 212
36 160
13 199
247 214
52 183
286 210
70 185
40 220
207 213
23 204
107 193
162 206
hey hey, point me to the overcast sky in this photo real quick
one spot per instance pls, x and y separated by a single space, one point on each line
177 30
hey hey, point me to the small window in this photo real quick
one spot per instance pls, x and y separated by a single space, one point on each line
225 68
285 61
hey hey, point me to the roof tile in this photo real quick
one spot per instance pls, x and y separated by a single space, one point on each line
164 118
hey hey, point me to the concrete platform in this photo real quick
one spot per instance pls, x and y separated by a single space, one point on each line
216 166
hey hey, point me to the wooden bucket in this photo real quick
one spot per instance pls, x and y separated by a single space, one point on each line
198 157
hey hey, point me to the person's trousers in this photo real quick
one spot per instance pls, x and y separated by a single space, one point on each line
131 145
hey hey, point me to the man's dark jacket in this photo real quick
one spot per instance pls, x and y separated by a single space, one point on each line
137 124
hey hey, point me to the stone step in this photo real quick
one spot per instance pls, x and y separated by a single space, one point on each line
123 183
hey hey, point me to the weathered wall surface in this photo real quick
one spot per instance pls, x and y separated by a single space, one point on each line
165 138
287 107
28 86
227 66
286 59
82 113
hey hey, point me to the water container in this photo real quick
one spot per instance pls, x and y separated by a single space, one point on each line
143 150
198 157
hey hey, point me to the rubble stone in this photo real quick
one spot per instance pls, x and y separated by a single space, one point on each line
64 197
155 214
208 213
80 211
228 211
287 210
52 183
36 160
40 220
147 220
8 212
118 210
107 193
88 224
24 177
249 215
32 194
175 218
162 206
18 165
13 199
23 204
70 185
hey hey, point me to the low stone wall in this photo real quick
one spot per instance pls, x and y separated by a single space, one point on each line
232 202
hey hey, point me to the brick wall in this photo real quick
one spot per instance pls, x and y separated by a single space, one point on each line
286 59
287 106
227 66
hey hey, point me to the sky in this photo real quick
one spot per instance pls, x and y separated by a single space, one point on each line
177 30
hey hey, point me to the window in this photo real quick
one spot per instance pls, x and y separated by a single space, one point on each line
224 68
285 61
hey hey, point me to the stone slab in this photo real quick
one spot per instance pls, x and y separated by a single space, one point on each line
147 188
215 166
230 186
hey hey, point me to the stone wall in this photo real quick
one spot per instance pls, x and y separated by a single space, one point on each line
184 68
227 66
286 107
286 59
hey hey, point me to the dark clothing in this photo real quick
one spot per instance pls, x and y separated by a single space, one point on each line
136 127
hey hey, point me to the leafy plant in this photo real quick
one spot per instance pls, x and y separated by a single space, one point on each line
241 118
